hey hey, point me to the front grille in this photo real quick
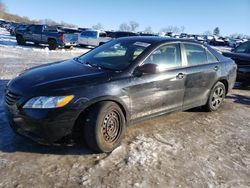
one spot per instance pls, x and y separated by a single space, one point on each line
11 98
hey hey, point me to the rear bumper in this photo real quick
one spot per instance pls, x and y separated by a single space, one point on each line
41 125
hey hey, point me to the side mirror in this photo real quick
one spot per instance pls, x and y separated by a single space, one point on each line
146 69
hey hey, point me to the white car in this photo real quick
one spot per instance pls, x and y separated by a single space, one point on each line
93 38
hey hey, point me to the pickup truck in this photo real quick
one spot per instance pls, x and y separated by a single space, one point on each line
43 34
93 38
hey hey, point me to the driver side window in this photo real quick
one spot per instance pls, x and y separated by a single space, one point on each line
165 57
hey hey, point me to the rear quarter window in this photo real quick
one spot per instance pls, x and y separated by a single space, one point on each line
211 58
196 54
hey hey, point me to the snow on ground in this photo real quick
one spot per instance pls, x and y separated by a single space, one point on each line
184 149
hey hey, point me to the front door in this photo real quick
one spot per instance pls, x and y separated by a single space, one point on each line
163 91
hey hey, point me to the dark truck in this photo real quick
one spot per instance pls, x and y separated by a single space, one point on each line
43 34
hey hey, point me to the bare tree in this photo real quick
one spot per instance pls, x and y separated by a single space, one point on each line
98 26
124 27
133 25
182 29
2 9
148 29
208 32
173 29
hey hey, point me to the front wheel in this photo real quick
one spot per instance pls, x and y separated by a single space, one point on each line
216 97
104 127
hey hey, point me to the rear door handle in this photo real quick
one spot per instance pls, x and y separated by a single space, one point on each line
216 68
180 76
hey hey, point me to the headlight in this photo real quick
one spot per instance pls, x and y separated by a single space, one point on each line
48 102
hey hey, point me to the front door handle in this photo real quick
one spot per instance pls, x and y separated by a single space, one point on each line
180 76
216 68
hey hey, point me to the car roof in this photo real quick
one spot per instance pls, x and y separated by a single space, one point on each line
156 39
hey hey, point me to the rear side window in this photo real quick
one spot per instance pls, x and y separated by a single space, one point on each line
167 56
195 54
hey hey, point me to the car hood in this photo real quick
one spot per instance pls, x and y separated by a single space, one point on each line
56 76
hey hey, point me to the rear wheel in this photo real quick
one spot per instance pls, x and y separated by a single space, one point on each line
216 97
104 127
68 47
20 40
53 44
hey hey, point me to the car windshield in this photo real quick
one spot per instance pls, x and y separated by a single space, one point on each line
114 55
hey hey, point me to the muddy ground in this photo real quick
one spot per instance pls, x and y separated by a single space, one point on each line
183 149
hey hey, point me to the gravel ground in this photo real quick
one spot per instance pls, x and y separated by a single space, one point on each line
183 149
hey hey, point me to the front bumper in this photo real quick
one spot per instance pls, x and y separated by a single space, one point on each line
41 125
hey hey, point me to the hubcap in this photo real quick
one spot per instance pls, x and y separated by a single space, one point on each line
111 126
217 97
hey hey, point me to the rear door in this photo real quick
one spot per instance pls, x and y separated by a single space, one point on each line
203 70
163 91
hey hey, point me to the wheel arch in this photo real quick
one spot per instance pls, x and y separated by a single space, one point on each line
116 100
225 82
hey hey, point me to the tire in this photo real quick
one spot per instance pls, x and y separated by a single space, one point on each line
20 40
36 43
104 127
83 45
53 44
216 97
68 47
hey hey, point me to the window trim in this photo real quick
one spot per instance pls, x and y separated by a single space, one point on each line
164 44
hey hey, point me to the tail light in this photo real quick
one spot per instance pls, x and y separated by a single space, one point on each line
61 37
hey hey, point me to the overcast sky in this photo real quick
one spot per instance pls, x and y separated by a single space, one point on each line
232 16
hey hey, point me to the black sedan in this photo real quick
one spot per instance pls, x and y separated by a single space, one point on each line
95 96
241 56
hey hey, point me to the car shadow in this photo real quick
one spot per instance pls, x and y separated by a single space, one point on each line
11 142
241 99
241 86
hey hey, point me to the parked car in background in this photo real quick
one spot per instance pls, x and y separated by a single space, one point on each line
183 35
200 38
217 41
146 34
43 34
119 34
93 38
241 56
95 96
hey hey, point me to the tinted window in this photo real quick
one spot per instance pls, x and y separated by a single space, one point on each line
211 58
31 29
166 56
91 34
195 54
